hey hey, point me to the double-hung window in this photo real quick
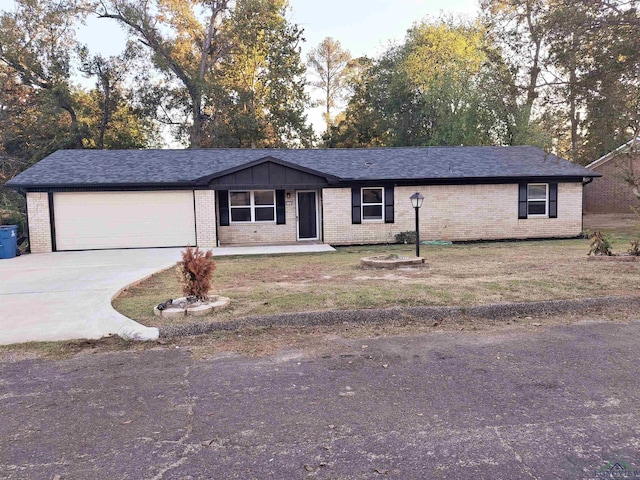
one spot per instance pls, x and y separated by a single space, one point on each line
372 204
537 200
252 206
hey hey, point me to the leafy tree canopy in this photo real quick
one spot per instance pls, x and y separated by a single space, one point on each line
443 86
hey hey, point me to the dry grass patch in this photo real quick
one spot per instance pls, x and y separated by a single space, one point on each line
462 274
68 349
286 342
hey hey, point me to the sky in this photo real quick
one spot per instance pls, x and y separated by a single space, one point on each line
364 27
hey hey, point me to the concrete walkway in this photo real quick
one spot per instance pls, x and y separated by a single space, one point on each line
67 295
273 249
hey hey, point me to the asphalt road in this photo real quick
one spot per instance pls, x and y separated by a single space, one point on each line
554 403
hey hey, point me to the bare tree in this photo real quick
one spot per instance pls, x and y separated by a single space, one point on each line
329 65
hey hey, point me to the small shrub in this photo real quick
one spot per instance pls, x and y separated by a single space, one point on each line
195 272
406 237
12 209
635 248
12 217
600 244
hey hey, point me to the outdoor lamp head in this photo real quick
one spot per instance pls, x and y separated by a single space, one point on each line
416 200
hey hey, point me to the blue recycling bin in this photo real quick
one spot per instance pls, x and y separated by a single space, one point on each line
8 241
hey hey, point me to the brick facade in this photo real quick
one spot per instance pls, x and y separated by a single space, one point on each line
39 222
205 208
454 212
611 193
263 233
338 229
450 212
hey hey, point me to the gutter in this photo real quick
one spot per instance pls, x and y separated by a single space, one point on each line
335 182
347 182
104 187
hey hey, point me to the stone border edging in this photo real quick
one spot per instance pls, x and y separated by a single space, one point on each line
424 314
390 263
216 305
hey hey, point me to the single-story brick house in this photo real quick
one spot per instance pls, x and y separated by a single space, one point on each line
99 199
612 193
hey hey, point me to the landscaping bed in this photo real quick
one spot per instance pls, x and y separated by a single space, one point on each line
391 261
455 275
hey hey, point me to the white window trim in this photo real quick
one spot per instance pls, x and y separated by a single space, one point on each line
546 201
252 207
362 205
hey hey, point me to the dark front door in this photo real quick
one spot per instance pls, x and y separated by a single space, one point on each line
307 216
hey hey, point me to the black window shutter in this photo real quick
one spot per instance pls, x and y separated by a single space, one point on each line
280 208
356 203
522 200
388 205
223 205
553 200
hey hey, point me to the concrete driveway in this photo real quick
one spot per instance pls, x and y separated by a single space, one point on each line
67 295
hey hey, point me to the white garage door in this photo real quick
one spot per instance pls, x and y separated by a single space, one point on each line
97 220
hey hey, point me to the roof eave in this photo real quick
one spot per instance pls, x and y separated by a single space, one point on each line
101 186
610 155
473 180
335 181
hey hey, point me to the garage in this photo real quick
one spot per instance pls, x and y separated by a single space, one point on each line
102 220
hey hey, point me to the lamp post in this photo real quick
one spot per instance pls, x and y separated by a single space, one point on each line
416 202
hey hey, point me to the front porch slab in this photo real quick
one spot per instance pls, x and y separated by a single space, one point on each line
273 249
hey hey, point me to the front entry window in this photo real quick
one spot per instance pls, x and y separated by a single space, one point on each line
252 206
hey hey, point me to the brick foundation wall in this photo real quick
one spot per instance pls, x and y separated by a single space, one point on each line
610 193
263 233
454 212
205 205
39 222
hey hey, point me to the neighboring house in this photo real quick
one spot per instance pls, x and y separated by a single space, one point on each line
95 199
612 193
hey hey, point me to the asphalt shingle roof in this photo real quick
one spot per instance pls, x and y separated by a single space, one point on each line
156 167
